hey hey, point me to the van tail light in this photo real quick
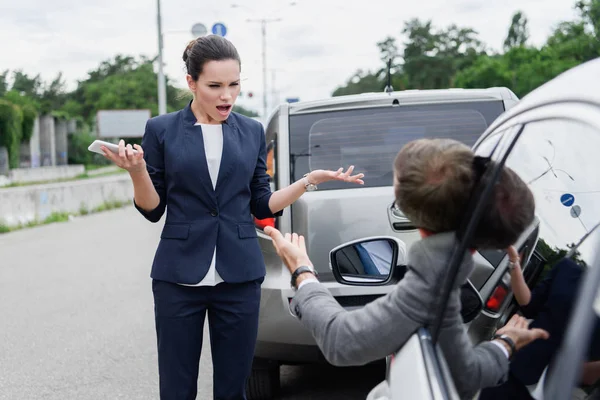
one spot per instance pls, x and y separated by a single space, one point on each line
263 223
497 298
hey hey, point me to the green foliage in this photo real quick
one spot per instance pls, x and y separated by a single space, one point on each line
11 127
361 82
22 83
3 82
244 111
518 32
552 255
455 57
78 152
56 217
29 116
29 107
122 83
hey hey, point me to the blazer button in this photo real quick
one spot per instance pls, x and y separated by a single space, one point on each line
214 213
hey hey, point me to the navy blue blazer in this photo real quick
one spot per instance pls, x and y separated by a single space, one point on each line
550 307
198 216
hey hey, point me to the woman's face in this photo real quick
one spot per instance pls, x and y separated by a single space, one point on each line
216 89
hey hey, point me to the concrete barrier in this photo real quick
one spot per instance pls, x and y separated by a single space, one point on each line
47 141
30 152
23 175
60 132
20 205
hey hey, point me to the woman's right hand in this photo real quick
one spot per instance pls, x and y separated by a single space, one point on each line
514 259
127 159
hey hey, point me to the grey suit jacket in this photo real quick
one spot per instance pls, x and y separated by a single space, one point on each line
381 327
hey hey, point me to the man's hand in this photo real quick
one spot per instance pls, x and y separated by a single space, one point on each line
517 328
291 248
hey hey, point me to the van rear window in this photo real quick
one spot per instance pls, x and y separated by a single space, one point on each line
370 138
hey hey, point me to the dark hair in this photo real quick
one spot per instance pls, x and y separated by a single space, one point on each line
434 180
508 214
207 48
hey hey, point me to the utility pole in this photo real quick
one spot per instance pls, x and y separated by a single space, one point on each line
263 29
274 93
162 95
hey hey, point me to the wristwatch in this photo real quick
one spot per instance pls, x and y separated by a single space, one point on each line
307 185
302 270
506 339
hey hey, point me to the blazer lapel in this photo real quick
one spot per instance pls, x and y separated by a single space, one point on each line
230 151
195 153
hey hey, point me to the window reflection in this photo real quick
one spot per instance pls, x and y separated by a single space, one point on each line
559 160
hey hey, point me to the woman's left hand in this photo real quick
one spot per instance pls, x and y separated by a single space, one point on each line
319 176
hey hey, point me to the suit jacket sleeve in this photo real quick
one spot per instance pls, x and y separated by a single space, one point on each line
381 328
260 187
155 164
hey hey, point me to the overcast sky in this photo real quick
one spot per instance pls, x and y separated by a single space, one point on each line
315 47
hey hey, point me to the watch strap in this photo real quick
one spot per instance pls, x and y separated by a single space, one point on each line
506 339
301 270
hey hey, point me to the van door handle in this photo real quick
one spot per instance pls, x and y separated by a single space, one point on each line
398 219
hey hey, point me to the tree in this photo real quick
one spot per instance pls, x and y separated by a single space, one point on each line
245 111
432 58
3 83
388 52
518 32
123 82
589 11
23 83
53 95
361 82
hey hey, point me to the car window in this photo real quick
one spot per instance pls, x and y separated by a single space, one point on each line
370 138
562 175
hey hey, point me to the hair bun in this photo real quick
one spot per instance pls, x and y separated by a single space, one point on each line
188 49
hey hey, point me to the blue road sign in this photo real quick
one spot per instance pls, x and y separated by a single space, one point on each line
292 99
567 199
219 29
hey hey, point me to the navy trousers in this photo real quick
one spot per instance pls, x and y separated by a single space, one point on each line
233 323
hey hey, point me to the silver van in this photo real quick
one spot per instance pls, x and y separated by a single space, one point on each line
366 131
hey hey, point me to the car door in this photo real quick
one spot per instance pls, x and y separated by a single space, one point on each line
556 154
551 140
419 371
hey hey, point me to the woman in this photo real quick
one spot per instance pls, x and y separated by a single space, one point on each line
206 165
549 307
433 182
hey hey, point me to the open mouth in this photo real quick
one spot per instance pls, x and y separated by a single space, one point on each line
224 109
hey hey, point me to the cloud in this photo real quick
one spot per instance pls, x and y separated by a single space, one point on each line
315 47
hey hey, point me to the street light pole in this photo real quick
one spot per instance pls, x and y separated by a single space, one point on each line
162 95
263 30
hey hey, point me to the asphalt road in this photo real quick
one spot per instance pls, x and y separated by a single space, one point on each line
76 318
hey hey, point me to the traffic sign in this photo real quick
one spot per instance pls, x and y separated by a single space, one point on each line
199 30
219 29
575 211
567 199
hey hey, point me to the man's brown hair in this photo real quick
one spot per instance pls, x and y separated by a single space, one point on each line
434 180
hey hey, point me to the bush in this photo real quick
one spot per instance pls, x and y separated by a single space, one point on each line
30 108
29 116
11 128
78 152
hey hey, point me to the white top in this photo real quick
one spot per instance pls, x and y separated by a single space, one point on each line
213 148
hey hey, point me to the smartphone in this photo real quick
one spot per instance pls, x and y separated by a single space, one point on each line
97 144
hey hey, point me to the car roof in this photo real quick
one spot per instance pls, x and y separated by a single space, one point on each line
364 100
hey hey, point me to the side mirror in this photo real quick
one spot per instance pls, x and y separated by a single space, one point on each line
365 262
